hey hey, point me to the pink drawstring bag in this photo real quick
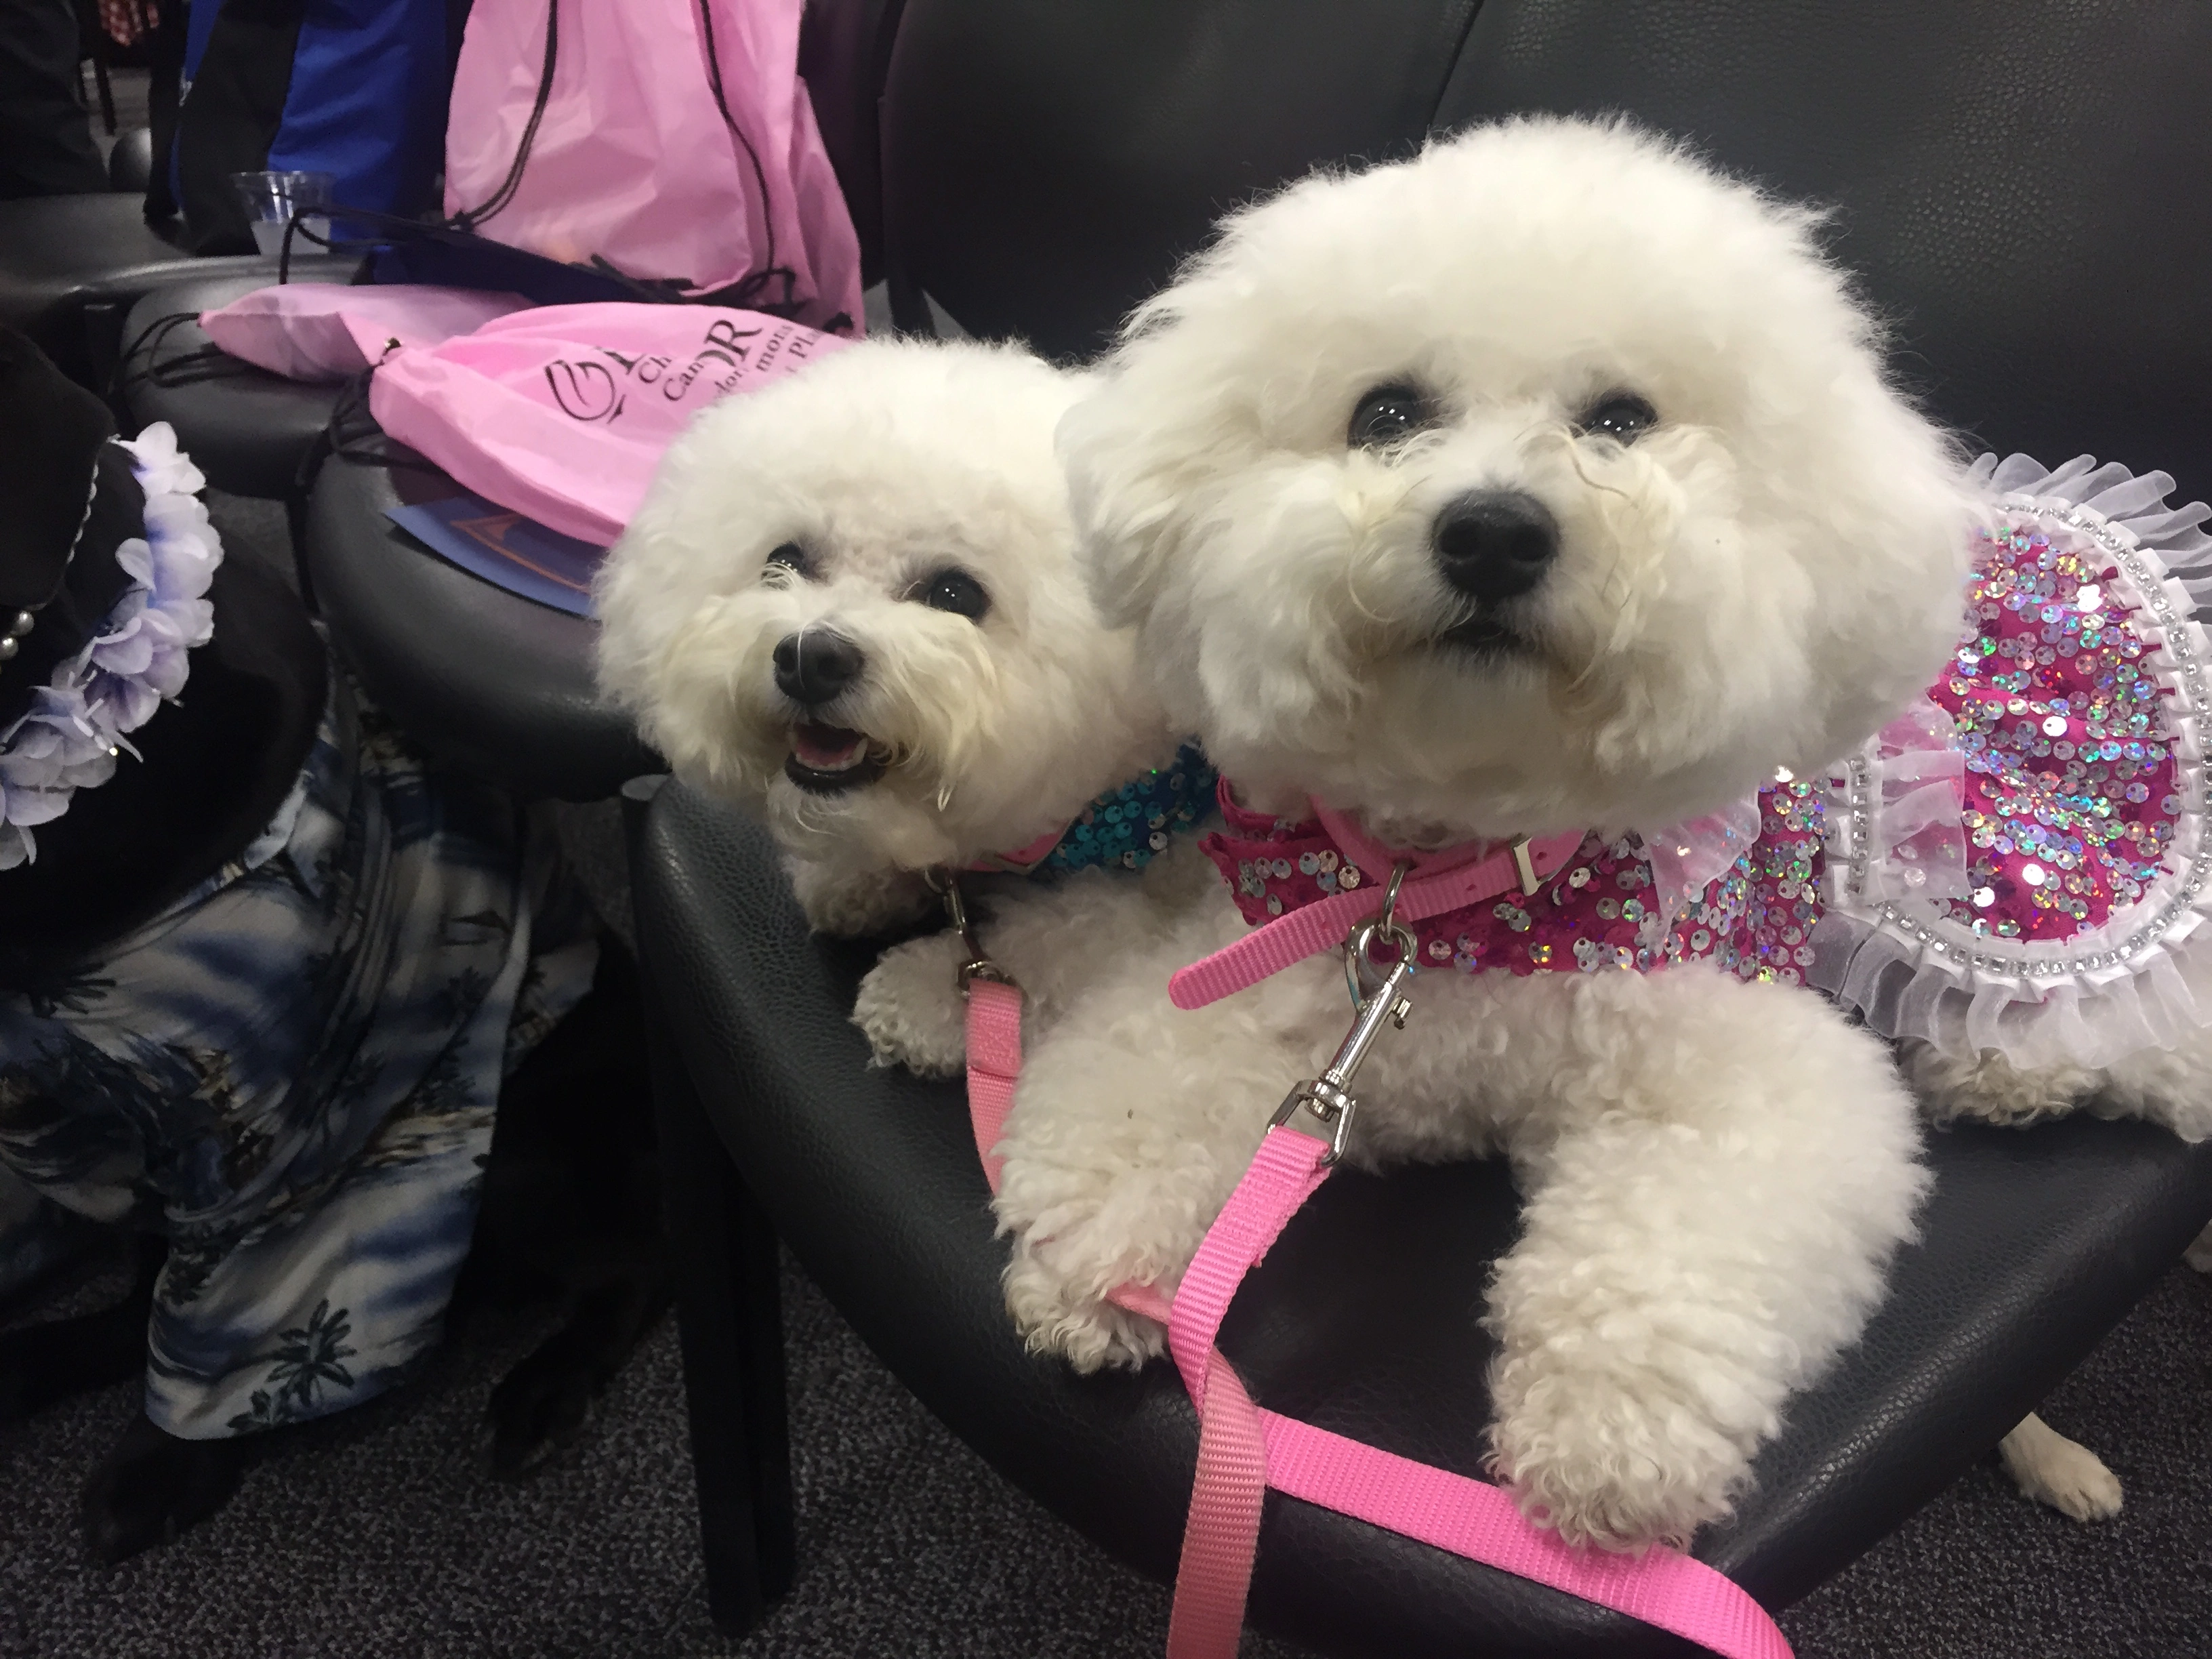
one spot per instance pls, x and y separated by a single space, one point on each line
561 413
671 140
330 331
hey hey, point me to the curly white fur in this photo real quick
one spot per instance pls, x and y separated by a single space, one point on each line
1716 1172
2168 1086
1758 582
883 464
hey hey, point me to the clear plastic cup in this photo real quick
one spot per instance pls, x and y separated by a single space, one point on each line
271 199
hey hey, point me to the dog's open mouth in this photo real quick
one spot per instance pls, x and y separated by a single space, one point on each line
827 759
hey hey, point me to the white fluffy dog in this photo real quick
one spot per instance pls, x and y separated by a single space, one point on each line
850 603
1546 483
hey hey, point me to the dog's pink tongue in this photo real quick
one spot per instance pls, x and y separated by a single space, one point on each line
826 748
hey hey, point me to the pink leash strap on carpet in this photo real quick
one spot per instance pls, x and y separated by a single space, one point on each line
1243 1450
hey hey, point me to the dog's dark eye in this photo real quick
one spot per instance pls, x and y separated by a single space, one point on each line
1389 415
955 590
1622 415
790 557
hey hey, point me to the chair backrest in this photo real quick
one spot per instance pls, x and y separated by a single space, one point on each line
1048 162
2025 186
844 51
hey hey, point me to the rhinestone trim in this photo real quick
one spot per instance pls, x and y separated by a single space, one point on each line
2176 659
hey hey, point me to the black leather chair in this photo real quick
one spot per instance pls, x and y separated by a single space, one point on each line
1045 167
248 430
844 52
1047 164
479 676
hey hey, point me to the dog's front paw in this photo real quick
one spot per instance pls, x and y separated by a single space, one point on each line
911 1010
1090 1334
2199 1253
1587 1457
849 902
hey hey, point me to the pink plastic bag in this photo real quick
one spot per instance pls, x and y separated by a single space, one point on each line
563 412
670 138
329 331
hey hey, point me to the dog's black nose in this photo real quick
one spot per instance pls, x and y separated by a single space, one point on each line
812 667
1493 543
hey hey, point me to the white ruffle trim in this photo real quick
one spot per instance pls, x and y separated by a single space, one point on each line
1686 859
69 738
1895 845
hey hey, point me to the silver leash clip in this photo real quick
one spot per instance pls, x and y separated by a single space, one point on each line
974 964
1328 1098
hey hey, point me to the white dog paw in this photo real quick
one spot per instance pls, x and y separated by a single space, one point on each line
1601 1468
2199 1253
910 1007
1090 1334
847 902
2063 1473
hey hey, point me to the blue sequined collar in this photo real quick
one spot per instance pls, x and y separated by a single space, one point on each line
1128 826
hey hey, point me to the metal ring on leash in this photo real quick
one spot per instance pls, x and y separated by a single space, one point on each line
946 882
1360 949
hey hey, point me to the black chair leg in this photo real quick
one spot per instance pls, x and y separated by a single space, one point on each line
729 1316
107 91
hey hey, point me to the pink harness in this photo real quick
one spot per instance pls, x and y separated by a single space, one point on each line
1243 1450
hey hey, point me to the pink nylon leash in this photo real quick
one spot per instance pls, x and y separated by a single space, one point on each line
1243 1448
1221 1538
1221 1533
1470 1518
994 1062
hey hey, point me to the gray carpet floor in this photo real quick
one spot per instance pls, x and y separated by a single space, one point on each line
379 1534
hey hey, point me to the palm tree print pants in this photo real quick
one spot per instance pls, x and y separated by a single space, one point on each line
292 1074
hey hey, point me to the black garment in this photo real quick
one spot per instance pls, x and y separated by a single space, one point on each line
52 434
45 135
165 60
230 115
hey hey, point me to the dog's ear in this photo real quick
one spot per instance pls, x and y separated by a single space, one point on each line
1123 486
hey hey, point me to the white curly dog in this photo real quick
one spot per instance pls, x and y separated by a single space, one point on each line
850 604
1546 483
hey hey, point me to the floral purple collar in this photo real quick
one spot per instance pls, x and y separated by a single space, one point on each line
74 729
